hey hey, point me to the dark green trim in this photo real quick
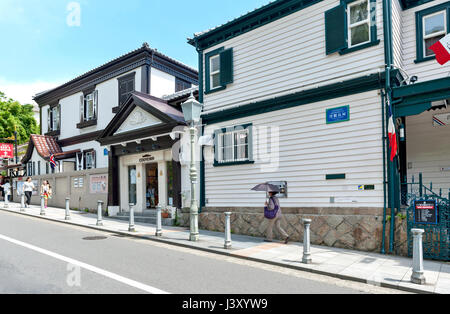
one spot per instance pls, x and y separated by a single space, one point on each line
373 28
250 21
433 86
234 163
419 29
340 176
408 4
202 160
356 48
208 56
350 87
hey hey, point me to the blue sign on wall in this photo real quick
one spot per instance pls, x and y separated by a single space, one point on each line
340 114
105 152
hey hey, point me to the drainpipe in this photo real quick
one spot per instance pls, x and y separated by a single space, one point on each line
387 23
200 99
383 120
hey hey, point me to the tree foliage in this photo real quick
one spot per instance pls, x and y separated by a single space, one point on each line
13 115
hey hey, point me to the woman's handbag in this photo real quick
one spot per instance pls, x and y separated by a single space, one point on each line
271 214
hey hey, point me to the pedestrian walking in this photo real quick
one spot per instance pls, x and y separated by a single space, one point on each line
272 212
28 188
46 192
6 190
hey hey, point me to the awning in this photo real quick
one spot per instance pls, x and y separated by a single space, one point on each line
416 98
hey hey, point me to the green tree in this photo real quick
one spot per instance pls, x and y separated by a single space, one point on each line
14 116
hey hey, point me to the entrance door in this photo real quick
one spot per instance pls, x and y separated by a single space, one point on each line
151 192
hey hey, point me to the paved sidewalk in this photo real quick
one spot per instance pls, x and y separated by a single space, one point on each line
376 269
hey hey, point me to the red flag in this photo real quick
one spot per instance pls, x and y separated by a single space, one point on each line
393 144
442 50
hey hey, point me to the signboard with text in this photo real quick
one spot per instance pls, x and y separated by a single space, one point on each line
6 150
340 114
426 212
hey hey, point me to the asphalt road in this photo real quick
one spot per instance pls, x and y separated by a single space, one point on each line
38 256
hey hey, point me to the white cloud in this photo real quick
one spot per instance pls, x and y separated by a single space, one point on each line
24 92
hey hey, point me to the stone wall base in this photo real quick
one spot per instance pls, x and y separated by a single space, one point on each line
356 232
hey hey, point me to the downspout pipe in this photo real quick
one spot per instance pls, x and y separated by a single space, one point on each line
202 202
388 50
383 120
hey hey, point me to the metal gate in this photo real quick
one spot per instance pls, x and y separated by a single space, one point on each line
436 239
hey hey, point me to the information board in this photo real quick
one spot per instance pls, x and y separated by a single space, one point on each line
426 212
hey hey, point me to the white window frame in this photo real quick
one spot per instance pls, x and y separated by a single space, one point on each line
213 73
425 37
234 146
89 99
54 118
89 160
350 26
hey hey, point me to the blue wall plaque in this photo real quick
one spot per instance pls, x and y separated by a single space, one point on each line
337 115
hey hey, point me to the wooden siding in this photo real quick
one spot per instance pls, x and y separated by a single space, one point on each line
428 150
309 149
288 56
427 70
397 25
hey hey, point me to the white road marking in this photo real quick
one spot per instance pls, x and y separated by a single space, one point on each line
94 269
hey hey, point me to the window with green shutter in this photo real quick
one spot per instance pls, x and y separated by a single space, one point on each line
233 145
218 69
351 26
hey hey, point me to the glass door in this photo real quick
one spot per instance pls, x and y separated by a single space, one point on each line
152 199
132 184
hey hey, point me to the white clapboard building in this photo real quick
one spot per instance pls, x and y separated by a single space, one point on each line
295 93
76 114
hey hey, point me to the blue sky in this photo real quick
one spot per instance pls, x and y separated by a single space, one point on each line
41 50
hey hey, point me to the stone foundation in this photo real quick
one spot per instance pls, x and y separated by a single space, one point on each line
350 228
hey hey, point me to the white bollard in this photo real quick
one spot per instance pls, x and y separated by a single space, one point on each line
307 242
6 205
131 227
99 213
42 206
227 231
158 221
22 202
67 208
418 271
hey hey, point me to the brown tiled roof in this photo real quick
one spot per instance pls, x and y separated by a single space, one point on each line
45 147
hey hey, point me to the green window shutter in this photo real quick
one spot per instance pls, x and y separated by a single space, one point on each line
226 67
335 29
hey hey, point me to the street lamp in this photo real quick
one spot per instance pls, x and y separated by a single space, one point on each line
191 111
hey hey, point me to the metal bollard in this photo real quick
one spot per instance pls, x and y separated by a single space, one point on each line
227 231
42 206
158 221
6 205
67 208
131 227
22 202
418 271
99 213
307 242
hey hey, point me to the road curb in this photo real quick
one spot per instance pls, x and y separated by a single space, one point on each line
224 253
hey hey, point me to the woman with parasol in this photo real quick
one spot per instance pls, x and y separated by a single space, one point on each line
272 211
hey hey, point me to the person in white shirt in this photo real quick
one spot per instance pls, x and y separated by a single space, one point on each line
28 188
7 189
